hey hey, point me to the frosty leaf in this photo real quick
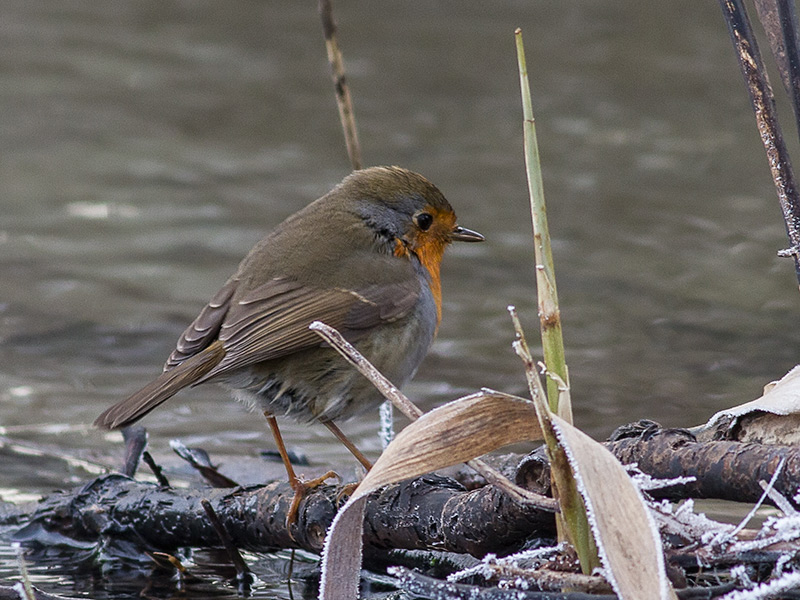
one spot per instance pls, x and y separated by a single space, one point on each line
454 433
774 418
782 398
626 536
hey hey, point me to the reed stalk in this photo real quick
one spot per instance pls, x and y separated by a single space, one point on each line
343 99
549 312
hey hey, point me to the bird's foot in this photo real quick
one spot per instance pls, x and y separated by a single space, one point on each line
346 491
301 487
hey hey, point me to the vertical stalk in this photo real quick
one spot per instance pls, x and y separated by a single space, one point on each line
549 313
343 99
763 101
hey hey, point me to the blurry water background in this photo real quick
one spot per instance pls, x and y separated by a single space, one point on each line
146 146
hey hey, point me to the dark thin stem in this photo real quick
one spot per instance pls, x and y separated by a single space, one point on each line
763 103
789 27
156 469
780 24
290 574
242 570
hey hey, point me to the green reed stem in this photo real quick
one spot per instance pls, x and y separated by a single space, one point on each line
549 313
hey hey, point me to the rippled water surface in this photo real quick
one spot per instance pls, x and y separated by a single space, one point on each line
147 145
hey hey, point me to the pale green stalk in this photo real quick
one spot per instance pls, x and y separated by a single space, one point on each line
549 313
572 521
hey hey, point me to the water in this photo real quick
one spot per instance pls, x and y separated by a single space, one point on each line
148 145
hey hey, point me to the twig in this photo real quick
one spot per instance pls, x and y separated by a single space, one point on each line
156 469
408 408
290 573
343 98
757 505
520 494
425 586
389 390
243 574
522 349
418 584
782 503
780 24
542 577
789 26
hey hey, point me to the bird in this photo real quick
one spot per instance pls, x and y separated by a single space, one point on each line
365 259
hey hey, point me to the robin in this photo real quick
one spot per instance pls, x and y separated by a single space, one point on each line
364 258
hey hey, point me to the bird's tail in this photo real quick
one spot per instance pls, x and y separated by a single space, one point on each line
125 412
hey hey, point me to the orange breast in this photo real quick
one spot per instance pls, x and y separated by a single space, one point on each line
429 247
430 255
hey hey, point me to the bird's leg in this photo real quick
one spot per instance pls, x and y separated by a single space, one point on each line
348 489
299 486
334 429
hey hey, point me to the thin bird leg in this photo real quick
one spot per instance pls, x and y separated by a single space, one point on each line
334 429
276 433
299 486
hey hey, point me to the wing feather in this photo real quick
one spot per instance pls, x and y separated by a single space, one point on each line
203 331
272 320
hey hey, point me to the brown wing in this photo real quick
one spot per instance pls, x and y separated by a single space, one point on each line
204 330
272 320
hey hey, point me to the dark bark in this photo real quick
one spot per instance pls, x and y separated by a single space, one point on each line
435 513
168 518
429 512
763 102
723 469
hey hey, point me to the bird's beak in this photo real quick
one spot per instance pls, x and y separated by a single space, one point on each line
462 234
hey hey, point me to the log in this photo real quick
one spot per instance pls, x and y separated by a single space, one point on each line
429 512
723 469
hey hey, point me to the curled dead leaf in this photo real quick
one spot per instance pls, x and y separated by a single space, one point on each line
450 434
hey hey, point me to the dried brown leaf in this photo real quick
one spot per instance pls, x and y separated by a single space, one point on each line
455 432
626 536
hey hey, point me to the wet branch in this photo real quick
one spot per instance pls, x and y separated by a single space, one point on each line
424 513
430 512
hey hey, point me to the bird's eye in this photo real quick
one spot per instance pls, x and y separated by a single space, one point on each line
424 220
